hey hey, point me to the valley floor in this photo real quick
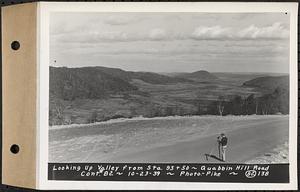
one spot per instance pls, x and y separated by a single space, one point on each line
172 140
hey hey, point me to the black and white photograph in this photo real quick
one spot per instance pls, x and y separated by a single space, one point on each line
142 87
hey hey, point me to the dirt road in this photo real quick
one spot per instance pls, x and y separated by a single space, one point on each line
246 143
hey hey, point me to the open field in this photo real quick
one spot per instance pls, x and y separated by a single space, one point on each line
184 98
167 139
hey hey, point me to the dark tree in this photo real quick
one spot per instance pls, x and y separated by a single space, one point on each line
93 117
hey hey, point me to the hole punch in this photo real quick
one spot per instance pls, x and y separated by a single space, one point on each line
15 149
15 45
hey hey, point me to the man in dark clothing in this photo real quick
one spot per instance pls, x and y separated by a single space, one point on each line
222 140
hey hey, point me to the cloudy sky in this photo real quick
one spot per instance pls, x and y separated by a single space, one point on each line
171 42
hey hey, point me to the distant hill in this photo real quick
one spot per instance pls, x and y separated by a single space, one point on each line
148 77
115 72
71 83
97 82
92 94
198 76
155 78
269 82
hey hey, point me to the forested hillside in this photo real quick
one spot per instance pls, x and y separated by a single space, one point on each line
92 94
268 82
275 101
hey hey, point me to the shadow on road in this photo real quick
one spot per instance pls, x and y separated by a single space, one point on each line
213 156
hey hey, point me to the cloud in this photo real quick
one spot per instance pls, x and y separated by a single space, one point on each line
274 31
93 37
114 36
120 20
215 32
111 36
157 34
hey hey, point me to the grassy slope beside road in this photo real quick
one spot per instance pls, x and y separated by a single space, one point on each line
170 139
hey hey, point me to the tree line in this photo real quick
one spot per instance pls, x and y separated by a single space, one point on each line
276 102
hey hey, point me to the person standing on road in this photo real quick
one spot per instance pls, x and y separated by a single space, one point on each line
222 141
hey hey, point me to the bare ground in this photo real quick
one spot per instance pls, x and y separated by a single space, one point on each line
169 139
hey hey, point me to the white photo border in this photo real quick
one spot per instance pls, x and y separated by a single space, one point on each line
44 11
